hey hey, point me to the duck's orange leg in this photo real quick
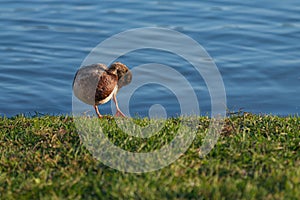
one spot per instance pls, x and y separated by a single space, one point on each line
97 111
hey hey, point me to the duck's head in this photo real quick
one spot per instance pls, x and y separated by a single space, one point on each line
123 73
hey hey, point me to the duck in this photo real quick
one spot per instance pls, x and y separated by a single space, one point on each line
97 84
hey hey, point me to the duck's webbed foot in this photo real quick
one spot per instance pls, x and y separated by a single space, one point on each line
119 114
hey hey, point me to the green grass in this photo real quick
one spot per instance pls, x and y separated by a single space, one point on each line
256 157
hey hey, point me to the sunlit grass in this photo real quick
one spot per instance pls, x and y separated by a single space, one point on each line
256 157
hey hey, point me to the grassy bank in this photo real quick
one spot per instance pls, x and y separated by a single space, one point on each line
256 157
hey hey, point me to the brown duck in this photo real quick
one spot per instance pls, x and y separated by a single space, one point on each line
96 84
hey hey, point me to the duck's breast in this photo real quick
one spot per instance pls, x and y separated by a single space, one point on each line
107 86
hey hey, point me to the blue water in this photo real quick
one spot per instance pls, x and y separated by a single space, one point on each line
255 45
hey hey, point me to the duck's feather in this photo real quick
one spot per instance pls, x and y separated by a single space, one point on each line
95 84
88 83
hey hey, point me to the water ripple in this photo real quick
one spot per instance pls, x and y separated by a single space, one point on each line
256 47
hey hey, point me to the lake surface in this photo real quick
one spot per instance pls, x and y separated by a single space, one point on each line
254 44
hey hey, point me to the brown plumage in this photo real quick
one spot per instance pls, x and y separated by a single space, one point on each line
96 84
